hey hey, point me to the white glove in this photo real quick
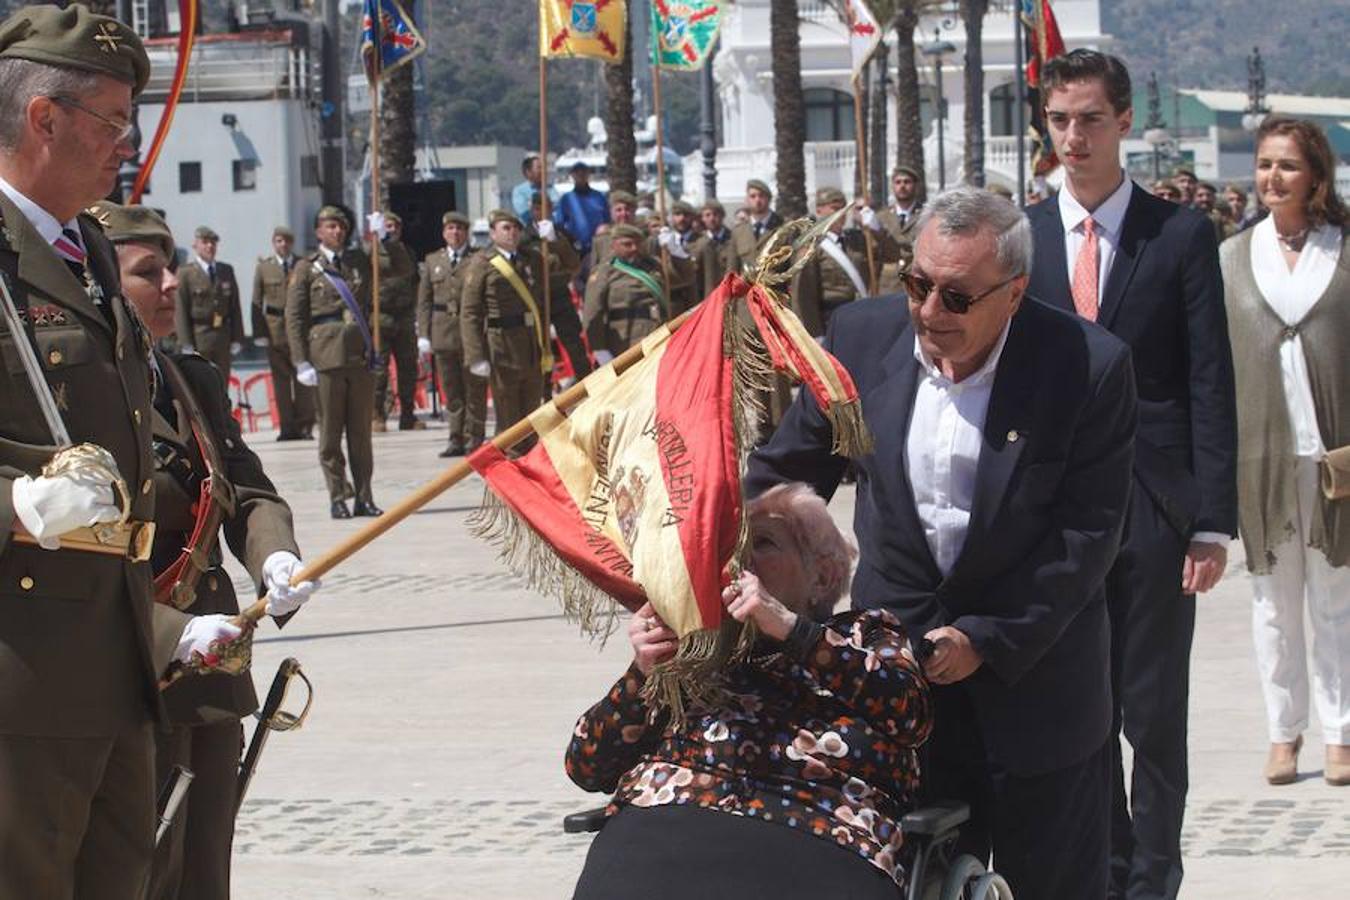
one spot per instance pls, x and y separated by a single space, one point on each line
187 348
235 347
423 346
552 331
670 240
566 382
200 633
261 341
49 507
603 357
278 570
305 374
546 230
482 368
376 225
867 217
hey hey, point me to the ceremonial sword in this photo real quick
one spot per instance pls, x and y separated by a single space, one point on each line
272 718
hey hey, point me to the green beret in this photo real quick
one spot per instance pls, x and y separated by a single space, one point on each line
715 207
625 230
133 225
503 215
622 197
393 217
204 233
334 214
907 170
754 184
455 218
283 232
828 196
75 38
679 206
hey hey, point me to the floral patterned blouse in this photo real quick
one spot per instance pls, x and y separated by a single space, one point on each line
819 735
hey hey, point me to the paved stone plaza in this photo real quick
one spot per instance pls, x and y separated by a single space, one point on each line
431 766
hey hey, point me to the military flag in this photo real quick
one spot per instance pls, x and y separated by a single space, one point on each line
385 24
590 28
864 34
1043 43
683 32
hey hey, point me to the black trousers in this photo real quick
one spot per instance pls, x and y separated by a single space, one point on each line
1152 623
1048 834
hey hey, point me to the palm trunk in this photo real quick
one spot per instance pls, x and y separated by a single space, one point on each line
876 154
973 12
621 152
789 107
908 122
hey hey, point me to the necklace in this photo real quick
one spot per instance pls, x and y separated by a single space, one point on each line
1292 242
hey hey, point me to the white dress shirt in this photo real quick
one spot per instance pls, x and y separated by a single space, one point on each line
43 222
942 450
835 251
1109 218
1291 293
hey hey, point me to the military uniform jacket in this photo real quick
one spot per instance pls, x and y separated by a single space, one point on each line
82 645
495 322
823 285
269 300
743 248
398 285
709 253
620 310
903 235
321 330
563 265
258 524
438 298
206 309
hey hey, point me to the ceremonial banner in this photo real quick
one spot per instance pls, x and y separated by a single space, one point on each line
684 31
591 28
385 24
863 33
635 494
1043 43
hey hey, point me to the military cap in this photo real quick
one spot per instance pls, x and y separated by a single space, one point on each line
204 233
503 215
622 197
828 196
1002 190
754 184
714 206
393 217
75 38
455 218
283 232
334 214
624 230
907 170
679 206
133 225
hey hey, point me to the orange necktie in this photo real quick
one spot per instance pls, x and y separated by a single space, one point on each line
1085 273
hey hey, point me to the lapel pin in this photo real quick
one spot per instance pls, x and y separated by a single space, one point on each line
1013 436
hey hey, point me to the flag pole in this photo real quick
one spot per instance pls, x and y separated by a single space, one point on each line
546 360
1020 126
377 61
660 166
860 139
345 549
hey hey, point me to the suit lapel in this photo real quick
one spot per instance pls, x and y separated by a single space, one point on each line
1130 248
1054 272
40 267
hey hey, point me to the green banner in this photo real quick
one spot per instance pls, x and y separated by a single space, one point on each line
684 31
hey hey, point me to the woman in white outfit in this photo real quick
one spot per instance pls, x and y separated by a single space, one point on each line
1287 289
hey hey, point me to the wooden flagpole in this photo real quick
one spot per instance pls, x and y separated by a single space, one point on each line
376 68
544 213
860 139
327 561
660 168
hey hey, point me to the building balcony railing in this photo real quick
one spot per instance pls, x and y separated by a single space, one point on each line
258 69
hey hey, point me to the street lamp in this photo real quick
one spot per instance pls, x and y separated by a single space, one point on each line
1155 129
935 51
1256 110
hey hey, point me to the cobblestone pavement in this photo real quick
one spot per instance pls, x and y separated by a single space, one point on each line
445 694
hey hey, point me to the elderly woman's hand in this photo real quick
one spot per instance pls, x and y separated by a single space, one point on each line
653 642
747 600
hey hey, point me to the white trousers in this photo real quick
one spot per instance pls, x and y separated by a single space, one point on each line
1303 577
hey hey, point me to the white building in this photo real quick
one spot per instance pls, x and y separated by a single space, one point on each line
745 88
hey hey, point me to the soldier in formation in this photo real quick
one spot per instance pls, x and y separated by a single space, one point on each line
564 263
295 401
629 296
398 329
209 318
622 211
710 247
750 236
900 219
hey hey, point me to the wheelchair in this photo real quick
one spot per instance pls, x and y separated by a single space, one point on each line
930 833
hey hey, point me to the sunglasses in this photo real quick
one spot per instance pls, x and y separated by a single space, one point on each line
920 288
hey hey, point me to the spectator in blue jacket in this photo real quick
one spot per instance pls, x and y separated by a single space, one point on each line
582 210
532 167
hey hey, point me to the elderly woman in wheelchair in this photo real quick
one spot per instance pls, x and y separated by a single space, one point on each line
801 781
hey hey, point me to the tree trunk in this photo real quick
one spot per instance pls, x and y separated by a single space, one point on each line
621 148
973 12
789 107
908 122
864 101
398 127
876 154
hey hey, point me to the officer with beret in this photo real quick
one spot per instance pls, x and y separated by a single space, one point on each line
209 318
398 328
563 265
82 644
900 219
839 272
195 439
438 323
328 308
501 319
684 224
295 401
750 236
710 247
622 211
626 297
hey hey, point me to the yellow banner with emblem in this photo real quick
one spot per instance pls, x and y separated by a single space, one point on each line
507 271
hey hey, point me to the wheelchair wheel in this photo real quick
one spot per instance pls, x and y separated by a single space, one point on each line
990 886
964 871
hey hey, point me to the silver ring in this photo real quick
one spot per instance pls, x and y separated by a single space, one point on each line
648 624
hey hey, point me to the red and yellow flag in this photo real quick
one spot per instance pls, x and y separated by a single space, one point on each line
591 28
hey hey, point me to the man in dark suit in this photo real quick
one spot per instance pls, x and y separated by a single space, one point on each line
1148 271
987 517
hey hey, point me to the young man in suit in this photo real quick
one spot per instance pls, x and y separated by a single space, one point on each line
988 514
1148 271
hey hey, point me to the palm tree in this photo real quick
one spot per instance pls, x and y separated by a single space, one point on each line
621 147
398 125
878 143
789 106
908 121
973 12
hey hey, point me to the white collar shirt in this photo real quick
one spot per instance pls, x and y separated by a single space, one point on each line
904 213
942 450
330 256
203 264
1109 218
43 222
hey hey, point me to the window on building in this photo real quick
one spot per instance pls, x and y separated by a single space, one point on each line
245 174
189 177
829 115
1003 111
309 171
